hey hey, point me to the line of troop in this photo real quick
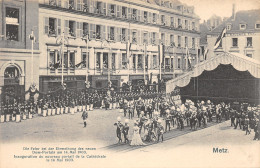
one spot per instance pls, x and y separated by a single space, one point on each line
158 115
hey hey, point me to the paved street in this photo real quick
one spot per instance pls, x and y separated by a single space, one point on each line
195 149
196 146
100 129
63 128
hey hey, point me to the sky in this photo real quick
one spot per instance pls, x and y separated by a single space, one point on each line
223 8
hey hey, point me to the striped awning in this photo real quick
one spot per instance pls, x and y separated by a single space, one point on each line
238 61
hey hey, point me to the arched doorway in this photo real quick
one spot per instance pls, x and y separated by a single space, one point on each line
12 90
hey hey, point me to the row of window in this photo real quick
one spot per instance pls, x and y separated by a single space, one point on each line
103 8
82 29
102 61
72 28
249 42
243 26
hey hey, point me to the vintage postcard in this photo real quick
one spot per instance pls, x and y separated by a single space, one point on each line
129 83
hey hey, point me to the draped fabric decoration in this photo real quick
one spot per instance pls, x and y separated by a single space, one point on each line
238 61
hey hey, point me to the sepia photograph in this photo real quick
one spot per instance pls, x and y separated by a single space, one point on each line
129 83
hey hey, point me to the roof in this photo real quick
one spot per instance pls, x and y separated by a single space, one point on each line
238 61
249 17
204 30
171 4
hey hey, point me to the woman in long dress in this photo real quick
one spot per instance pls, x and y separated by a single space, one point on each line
136 139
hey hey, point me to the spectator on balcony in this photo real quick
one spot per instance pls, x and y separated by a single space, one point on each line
85 8
71 5
71 65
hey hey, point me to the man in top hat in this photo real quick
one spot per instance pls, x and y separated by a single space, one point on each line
119 129
232 116
126 130
238 119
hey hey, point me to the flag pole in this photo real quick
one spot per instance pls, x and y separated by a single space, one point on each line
144 62
173 62
32 38
160 70
87 59
63 36
128 57
109 62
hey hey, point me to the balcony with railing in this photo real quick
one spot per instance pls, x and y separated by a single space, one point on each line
12 80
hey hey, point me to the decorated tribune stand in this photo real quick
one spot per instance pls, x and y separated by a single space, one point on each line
225 77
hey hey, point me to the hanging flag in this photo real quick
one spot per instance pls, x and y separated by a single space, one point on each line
220 37
56 66
173 44
161 54
128 49
205 54
82 62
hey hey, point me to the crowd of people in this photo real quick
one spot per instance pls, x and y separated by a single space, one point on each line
152 113
64 102
158 115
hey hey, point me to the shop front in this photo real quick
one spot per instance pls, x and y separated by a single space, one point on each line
101 81
52 83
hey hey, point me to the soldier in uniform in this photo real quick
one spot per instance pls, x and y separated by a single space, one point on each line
246 125
14 111
125 107
131 109
10 110
5 109
150 110
232 116
218 113
125 131
168 120
160 131
91 101
84 117
238 119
